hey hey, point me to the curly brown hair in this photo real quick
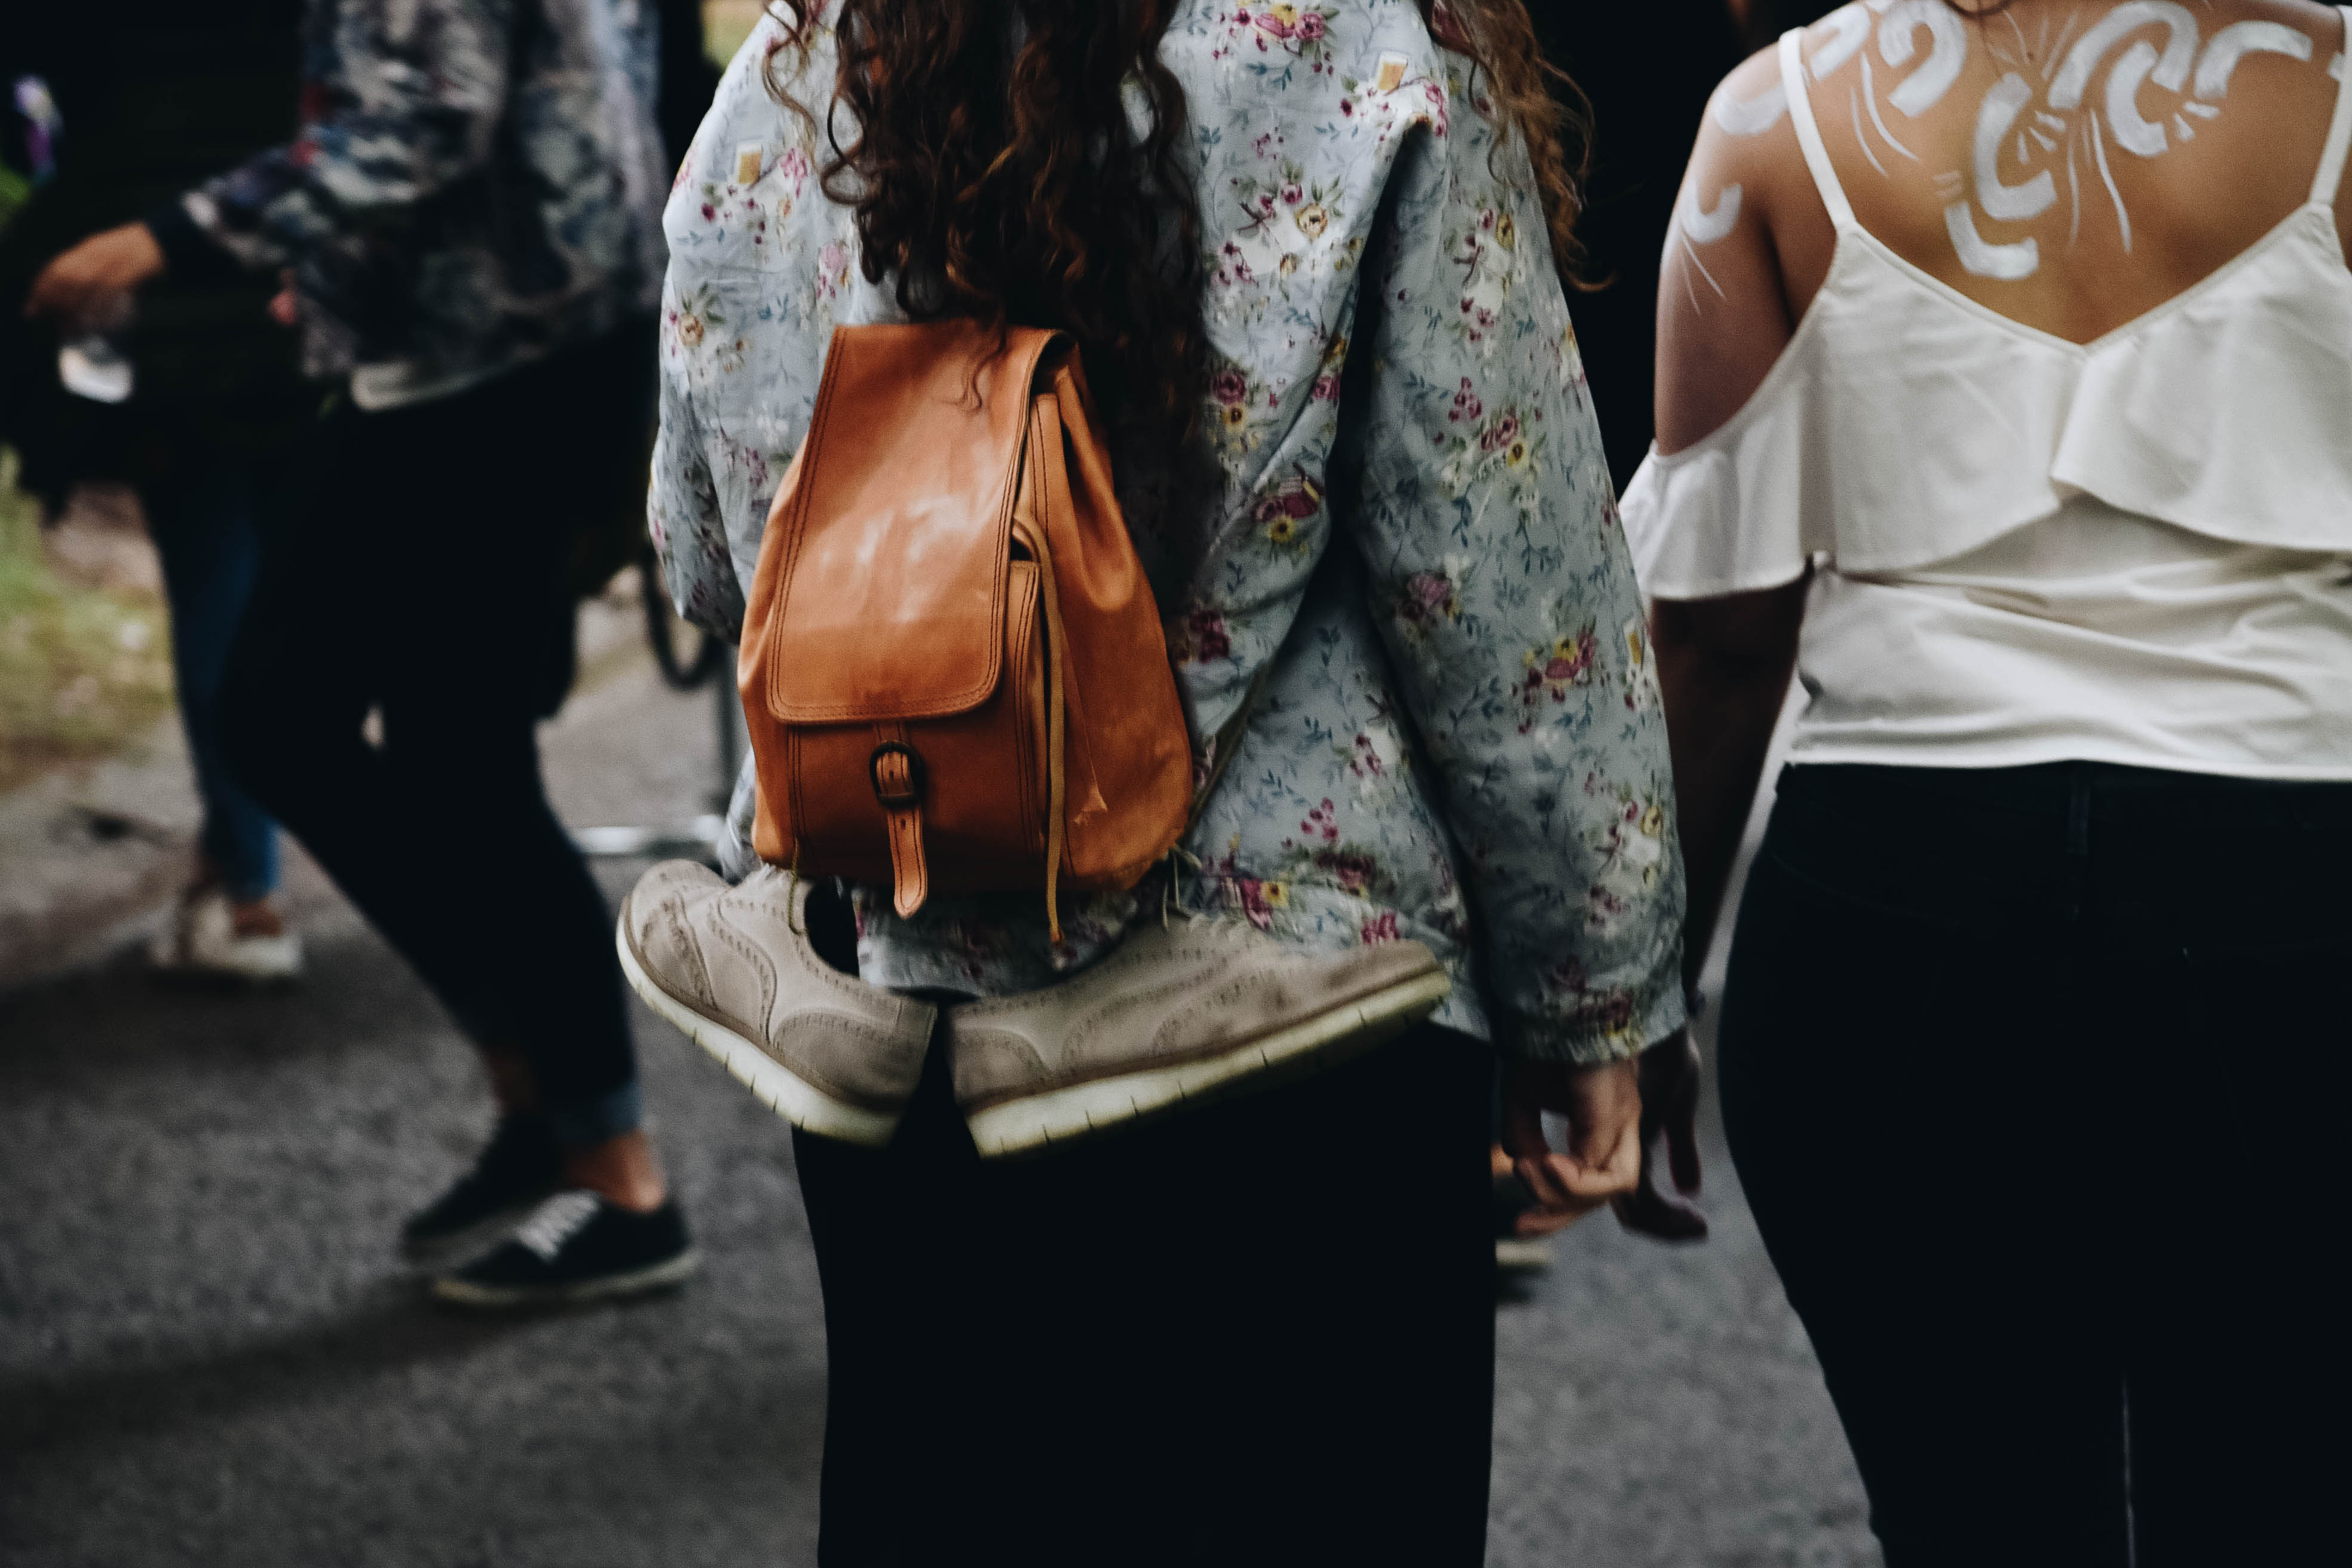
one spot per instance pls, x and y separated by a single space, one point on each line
997 172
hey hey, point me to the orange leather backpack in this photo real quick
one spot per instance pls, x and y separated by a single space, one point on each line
952 668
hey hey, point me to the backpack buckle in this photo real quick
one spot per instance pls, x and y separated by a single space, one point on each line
896 770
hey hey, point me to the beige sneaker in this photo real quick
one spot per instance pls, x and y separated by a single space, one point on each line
732 967
1176 1013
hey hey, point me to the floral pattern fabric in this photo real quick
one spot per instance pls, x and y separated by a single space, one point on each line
1401 600
475 183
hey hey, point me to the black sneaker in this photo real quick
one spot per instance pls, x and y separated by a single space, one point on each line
514 1174
577 1246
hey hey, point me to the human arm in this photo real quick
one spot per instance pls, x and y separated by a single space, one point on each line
1500 582
410 108
683 511
1724 665
1748 229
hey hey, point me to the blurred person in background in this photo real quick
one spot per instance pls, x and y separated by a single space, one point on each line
193 398
467 225
2004 369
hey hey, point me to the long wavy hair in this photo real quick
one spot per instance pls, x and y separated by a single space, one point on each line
999 174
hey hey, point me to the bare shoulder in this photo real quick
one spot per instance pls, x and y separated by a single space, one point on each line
1748 140
1723 317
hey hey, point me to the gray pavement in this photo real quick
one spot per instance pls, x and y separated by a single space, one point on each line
207 1355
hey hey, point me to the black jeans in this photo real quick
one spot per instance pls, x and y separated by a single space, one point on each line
1260 1331
422 574
2034 1077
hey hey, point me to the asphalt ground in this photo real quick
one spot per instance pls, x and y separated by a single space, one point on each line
208 1354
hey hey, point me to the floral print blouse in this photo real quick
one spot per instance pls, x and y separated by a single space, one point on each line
1413 626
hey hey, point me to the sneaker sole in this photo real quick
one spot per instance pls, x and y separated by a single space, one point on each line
1061 1115
774 1085
654 1276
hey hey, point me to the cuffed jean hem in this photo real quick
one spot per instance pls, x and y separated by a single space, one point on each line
594 1121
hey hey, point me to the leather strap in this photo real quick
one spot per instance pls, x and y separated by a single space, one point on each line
898 776
1045 425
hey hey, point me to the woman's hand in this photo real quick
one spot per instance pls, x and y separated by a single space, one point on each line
74 285
1602 1108
1670 1077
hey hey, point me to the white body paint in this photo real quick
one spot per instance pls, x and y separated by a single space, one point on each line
1924 87
2171 72
2239 40
2099 152
1751 116
1870 98
2005 203
2133 133
1850 27
1704 228
2006 262
2010 119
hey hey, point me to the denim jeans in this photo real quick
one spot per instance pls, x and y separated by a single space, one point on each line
207 520
2035 1079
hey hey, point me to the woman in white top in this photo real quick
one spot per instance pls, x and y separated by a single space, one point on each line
2005 390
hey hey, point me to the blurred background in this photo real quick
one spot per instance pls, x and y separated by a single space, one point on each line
207 1354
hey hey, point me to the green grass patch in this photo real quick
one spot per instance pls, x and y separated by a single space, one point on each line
83 670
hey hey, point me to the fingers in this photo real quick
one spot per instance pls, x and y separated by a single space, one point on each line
1541 1222
1603 1112
1681 1151
1647 1211
1681 1123
1670 1083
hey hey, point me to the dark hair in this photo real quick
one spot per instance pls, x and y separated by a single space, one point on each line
998 175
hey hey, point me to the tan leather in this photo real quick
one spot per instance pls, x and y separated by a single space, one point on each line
952 667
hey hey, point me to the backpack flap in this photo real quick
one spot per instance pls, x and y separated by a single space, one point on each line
897 536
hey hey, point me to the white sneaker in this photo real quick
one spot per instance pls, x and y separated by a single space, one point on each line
203 940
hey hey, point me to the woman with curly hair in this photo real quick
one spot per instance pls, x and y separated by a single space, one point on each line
1308 253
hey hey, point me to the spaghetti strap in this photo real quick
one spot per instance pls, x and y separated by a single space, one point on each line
1809 133
2339 129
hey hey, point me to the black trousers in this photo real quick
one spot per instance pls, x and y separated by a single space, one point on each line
424 574
1259 1332
2035 1079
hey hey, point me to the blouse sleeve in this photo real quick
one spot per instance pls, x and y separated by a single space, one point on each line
1500 583
1729 514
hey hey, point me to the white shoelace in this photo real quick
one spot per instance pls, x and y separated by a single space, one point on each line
556 1222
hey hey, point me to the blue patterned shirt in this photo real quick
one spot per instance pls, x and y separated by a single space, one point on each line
476 182
1413 555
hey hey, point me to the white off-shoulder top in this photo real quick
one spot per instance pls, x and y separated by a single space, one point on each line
2137 550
